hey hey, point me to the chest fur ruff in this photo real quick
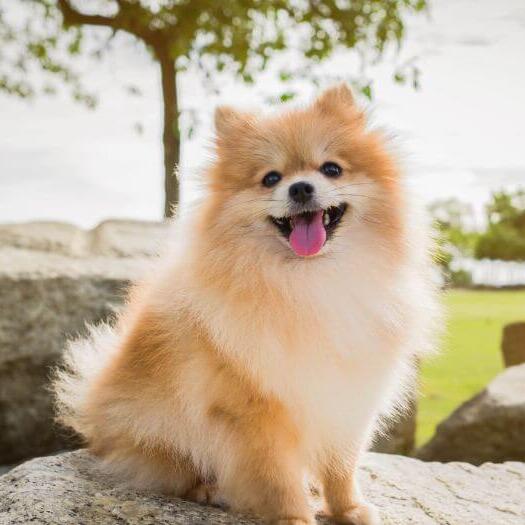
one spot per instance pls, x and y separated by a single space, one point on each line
334 358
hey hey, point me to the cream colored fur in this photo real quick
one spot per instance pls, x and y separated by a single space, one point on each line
244 341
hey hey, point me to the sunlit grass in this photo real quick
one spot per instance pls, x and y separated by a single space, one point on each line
471 354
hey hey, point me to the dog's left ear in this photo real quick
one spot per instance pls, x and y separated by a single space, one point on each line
229 122
335 99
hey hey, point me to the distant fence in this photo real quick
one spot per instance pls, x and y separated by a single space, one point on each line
487 272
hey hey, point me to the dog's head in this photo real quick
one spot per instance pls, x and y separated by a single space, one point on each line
299 183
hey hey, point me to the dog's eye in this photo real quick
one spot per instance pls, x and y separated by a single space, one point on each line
271 179
331 169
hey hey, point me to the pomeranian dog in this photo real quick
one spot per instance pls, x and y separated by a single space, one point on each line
275 333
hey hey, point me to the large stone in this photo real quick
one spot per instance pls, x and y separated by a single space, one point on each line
70 489
513 344
113 238
488 427
55 278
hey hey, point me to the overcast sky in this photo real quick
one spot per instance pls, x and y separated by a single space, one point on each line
461 135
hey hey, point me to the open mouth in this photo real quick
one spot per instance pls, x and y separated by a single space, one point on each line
307 232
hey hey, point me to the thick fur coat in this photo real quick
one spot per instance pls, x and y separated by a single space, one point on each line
239 366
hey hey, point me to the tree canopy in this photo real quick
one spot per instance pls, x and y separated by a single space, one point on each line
238 36
504 237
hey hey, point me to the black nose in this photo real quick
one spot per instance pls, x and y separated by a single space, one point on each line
301 192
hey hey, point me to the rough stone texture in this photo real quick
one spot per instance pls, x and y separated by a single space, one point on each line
488 427
513 344
55 278
70 489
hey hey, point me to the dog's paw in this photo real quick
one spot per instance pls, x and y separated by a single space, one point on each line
204 494
362 514
294 521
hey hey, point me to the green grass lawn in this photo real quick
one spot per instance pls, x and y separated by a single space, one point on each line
471 354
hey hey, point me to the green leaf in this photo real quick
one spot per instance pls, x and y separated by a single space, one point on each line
367 91
286 97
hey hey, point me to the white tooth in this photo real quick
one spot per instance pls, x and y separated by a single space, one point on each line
326 219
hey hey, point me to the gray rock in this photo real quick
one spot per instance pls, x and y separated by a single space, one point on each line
112 238
70 489
55 278
488 427
513 344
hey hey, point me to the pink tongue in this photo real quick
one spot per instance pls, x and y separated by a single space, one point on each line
307 238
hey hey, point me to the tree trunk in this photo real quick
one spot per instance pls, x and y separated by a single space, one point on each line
171 135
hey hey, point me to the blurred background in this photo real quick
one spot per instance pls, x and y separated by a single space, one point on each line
100 99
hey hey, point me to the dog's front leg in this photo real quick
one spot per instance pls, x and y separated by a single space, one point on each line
260 466
343 497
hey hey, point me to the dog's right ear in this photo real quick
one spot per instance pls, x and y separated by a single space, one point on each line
229 122
335 99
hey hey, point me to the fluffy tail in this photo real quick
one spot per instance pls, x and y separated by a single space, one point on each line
84 359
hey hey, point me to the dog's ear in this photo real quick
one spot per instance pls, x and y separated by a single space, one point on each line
335 99
229 122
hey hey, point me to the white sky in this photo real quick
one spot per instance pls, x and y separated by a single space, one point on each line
461 135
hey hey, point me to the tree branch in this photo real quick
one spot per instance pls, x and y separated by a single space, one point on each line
72 17
120 22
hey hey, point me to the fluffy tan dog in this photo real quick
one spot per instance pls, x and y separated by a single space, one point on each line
275 332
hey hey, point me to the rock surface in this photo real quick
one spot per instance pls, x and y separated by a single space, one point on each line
112 238
488 427
513 344
70 489
55 278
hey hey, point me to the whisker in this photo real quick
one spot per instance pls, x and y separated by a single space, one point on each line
372 197
351 184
